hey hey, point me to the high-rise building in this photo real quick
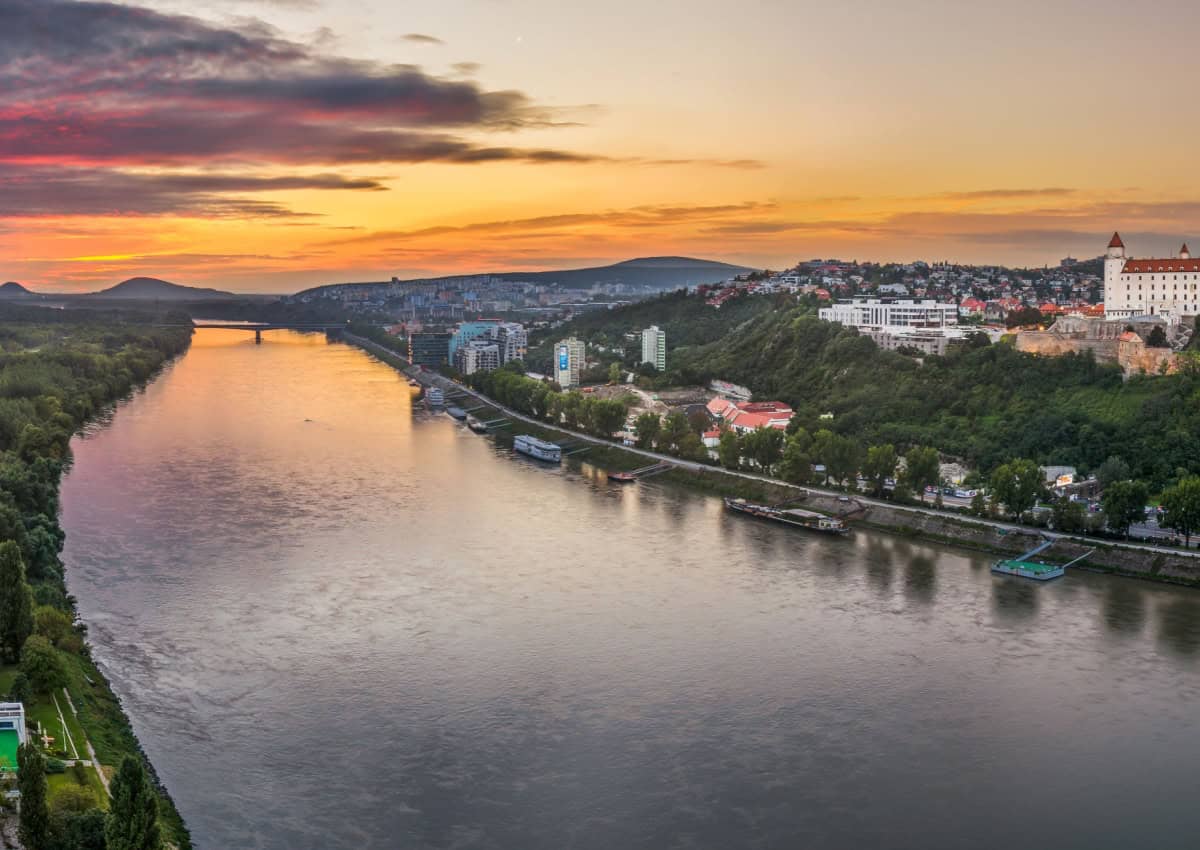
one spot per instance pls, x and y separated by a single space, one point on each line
654 348
429 350
478 355
568 361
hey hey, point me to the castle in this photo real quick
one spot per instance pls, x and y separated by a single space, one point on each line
1156 287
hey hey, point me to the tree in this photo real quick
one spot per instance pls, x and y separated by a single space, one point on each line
764 446
42 664
796 465
52 623
1112 470
674 428
132 822
979 504
842 456
879 466
1017 485
20 690
607 416
1182 505
16 601
1124 503
614 373
729 450
1068 516
647 426
822 447
1157 338
81 831
35 815
922 468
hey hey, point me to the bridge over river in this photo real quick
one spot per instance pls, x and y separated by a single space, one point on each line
330 328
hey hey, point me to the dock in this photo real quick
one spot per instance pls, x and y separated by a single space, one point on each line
1025 565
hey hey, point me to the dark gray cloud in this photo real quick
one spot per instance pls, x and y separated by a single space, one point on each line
87 82
36 191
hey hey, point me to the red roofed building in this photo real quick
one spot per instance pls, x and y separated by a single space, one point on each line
745 416
1167 287
971 307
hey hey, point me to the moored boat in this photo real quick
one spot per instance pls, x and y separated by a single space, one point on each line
456 413
476 425
434 397
527 444
798 517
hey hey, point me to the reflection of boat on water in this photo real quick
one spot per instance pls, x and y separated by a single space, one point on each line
540 449
475 425
810 520
456 413
434 397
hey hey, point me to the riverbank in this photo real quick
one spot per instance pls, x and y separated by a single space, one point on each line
79 367
1150 563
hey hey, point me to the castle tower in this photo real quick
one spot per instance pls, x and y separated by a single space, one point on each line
1184 254
1114 262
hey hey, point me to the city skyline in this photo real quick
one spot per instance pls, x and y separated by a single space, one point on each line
272 146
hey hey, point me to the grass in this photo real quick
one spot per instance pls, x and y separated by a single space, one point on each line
77 777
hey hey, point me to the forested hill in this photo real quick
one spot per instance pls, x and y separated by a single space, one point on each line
984 403
686 319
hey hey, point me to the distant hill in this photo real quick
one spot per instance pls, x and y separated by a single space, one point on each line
655 272
662 273
12 289
151 288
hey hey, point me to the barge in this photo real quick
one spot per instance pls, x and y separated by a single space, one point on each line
529 445
798 517
1028 569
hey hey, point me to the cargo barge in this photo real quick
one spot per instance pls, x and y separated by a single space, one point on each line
798 517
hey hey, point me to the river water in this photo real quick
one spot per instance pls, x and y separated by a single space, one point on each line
337 621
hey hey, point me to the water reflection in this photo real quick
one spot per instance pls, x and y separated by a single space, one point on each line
1179 625
1014 600
1124 607
920 579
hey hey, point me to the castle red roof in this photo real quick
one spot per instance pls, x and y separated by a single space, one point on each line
1116 242
1169 265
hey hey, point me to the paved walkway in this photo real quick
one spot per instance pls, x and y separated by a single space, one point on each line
95 762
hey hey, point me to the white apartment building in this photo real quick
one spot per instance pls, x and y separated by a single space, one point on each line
1155 287
568 361
654 348
893 315
478 355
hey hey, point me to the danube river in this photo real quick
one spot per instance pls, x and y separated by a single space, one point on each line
340 622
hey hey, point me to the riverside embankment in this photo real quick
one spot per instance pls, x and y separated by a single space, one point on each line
1153 563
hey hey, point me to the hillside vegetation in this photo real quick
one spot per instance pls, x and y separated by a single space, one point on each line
983 403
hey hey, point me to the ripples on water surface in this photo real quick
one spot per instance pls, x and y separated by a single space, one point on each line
338 622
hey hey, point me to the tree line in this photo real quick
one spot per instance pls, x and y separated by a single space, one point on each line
58 369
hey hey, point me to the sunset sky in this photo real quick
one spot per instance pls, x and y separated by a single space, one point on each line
272 145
